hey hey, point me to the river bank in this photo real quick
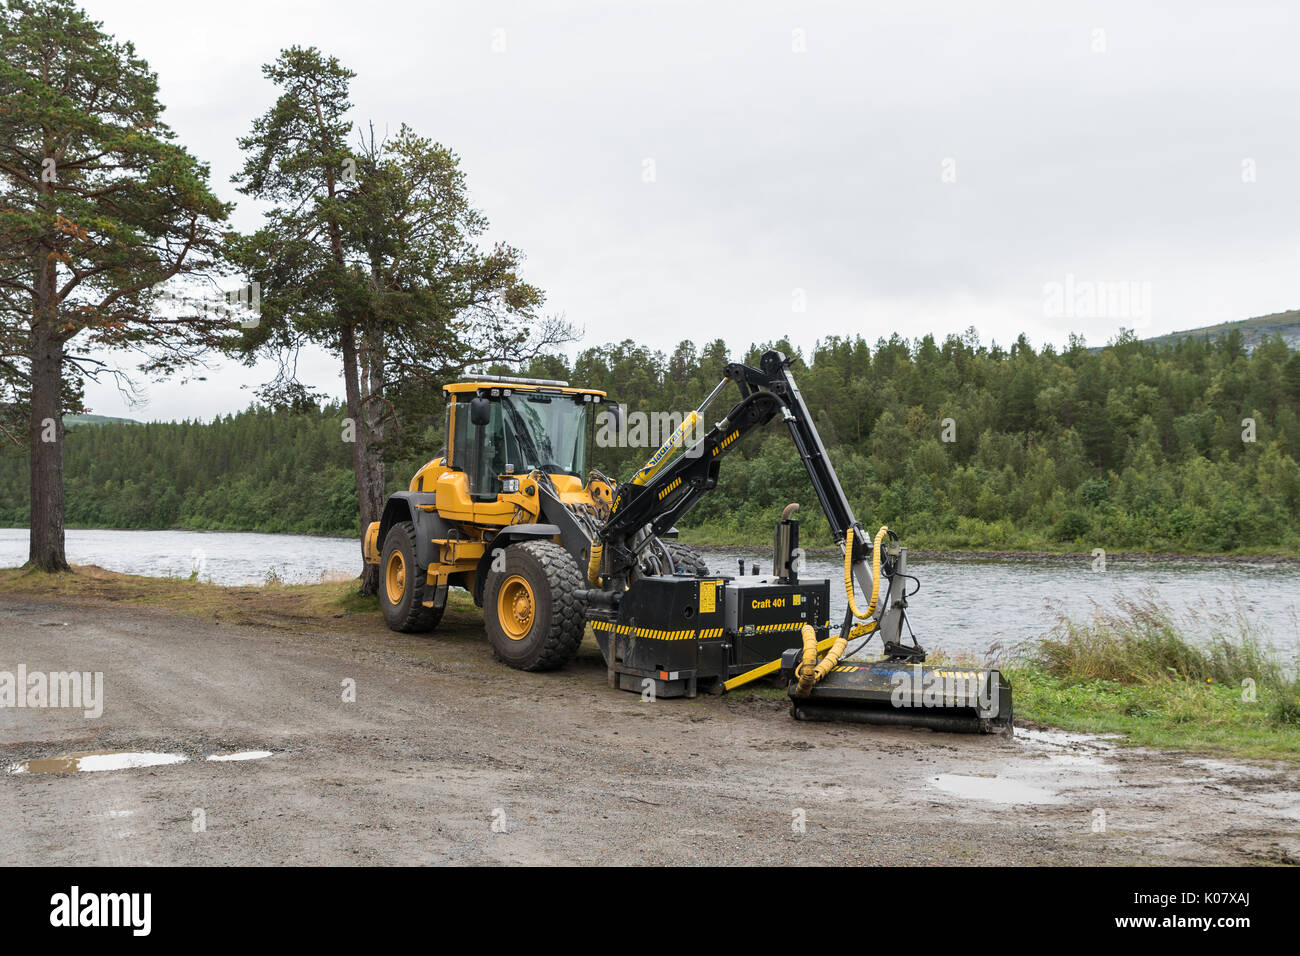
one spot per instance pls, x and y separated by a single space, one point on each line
1062 553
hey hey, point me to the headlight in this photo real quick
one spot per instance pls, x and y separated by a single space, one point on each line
509 486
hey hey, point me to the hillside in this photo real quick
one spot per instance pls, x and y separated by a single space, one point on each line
1253 331
71 420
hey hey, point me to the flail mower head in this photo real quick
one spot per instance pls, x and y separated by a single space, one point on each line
901 693
898 689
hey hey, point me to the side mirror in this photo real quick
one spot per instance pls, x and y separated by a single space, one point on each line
480 411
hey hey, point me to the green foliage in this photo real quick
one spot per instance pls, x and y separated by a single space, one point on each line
1133 446
1072 525
91 178
256 471
1137 641
881 414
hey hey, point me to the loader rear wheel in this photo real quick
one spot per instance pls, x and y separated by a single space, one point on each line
534 619
401 583
689 561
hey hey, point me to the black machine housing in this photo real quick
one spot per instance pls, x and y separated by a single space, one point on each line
676 635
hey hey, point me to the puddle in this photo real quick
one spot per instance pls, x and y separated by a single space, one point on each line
120 760
94 762
1081 760
1236 769
1064 740
994 789
242 755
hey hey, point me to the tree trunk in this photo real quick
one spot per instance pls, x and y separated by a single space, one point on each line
370 502
45 430
371 354
46 443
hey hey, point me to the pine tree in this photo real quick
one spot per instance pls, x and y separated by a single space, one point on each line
99 206
371 253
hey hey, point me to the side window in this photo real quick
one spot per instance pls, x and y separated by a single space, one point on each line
490 455
458 431
479 452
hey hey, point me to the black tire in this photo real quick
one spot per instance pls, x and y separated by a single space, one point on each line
689 561
403 606
534 619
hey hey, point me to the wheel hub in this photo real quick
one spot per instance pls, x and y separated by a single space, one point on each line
395 578
516 607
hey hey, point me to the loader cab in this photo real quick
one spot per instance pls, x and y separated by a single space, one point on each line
514 426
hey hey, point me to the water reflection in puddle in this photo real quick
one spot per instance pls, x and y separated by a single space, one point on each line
94 762
242 755
120 760
994 789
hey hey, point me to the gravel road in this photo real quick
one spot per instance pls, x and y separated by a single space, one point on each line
447 757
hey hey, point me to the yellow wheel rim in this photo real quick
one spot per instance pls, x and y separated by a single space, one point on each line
395 578
515 607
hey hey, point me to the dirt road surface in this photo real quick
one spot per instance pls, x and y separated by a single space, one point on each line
447 757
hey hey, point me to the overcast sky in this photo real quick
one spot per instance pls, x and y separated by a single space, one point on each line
817 168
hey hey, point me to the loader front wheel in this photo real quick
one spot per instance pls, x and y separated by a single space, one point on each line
534 619
401 583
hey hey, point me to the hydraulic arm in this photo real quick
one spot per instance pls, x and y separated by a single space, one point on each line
686 468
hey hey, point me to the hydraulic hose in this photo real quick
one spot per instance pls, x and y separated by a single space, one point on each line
593 566
811 671
807 670
831 659
875 573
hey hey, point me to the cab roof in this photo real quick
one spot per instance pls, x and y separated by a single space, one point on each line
476 385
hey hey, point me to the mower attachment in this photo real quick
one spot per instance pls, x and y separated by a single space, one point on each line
892 692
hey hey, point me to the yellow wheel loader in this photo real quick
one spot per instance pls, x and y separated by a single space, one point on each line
511 513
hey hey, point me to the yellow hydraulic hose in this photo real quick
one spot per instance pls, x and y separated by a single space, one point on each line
831 659
811 671
771 667
875 572
807 669
593 566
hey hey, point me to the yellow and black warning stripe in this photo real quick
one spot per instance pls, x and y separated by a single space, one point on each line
659 634
770 628
726 441
654 632
675 482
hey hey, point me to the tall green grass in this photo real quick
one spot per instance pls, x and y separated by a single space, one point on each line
1137 661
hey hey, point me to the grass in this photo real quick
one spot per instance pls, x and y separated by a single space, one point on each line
328 603
1207 686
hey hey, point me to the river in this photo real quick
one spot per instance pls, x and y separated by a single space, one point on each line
965 604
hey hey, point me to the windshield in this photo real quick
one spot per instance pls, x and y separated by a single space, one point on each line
546 432
524 432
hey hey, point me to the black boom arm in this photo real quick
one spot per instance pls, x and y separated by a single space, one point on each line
663 499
